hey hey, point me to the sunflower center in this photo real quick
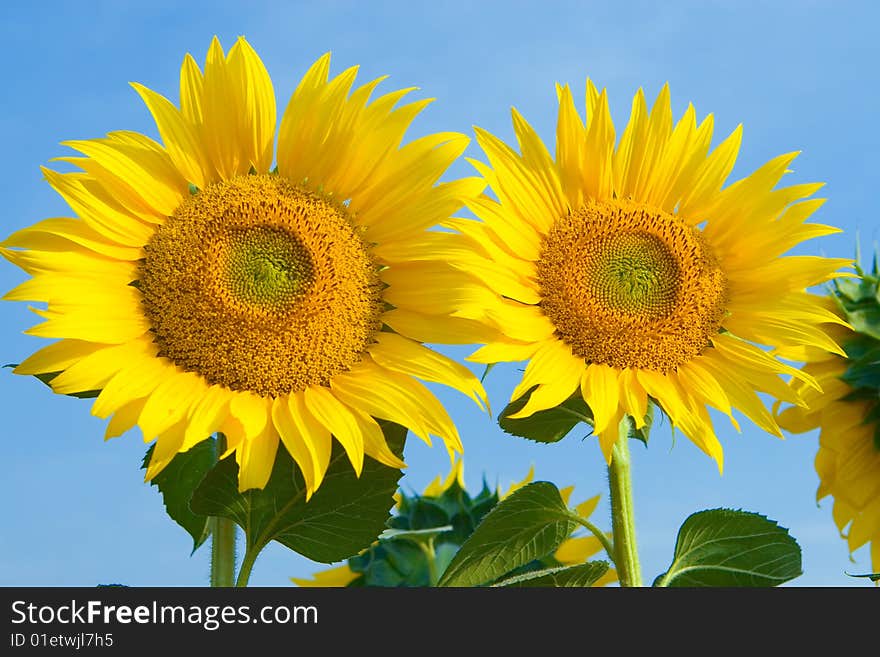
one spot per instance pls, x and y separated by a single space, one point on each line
259 285
265 267
633 272
630 286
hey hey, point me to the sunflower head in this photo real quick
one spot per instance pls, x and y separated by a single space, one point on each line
847 412
629 271
213 283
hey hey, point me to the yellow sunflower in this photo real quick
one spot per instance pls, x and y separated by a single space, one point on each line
201 290
628 273
847 413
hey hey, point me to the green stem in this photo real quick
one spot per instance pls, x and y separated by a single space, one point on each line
622 515
431 557
598 533
222 552
222 538
247 564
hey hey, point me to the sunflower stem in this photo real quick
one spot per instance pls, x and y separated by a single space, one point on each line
247 564
431 557
222 538
222 552
626 558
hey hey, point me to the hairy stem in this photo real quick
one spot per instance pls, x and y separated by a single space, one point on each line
623 526
222 538
222 552
247 564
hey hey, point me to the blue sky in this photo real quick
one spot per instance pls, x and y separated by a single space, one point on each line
799 75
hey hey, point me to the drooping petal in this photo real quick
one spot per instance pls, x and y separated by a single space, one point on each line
340 422
397 353
600 390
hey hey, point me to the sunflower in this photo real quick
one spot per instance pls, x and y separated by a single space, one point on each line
449 493
847 413
626 273
199 289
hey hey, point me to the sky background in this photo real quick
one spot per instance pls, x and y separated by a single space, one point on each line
799 75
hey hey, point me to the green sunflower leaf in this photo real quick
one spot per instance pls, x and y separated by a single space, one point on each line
179 479
529 524
548 426
344 516
724 547
585 574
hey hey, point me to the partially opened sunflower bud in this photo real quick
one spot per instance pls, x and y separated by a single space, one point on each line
444 516
847 412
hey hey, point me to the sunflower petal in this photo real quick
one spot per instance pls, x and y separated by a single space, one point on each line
338 419
180 138
397 353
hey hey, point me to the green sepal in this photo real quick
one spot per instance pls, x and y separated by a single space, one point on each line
726 547
385 564
861 394
860 300
390 563
454 508
858 346
644 433
856 290
581 575
177 481
863 368
874 577
425 513
344 516
872 417
863 363
529 524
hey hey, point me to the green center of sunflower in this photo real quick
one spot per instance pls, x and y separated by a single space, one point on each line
267 267
630 286
259 285
633 272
